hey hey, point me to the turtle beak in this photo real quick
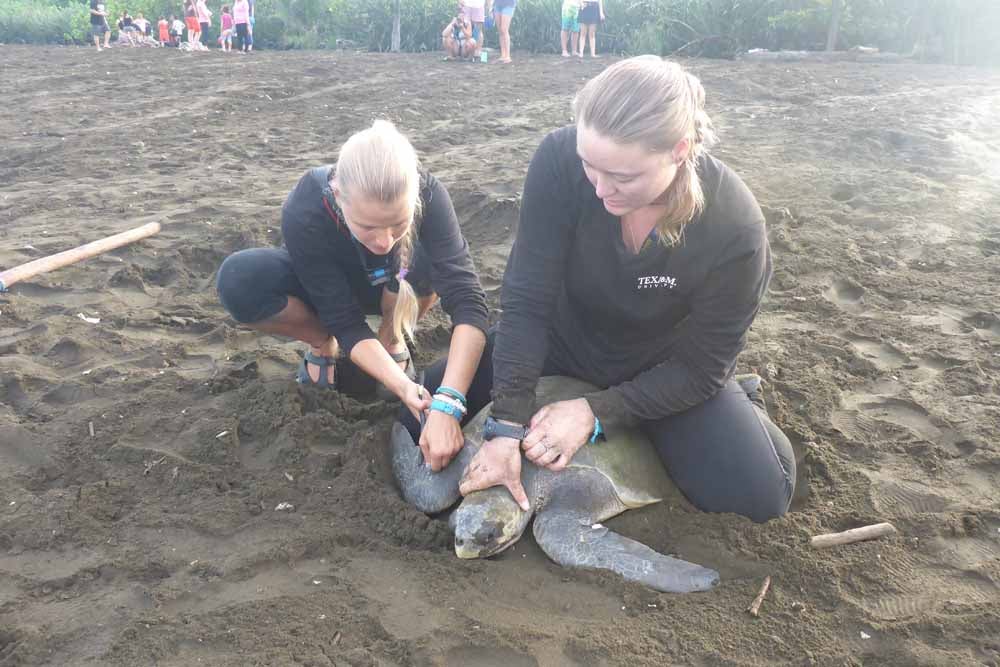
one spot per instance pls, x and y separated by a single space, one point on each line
487 522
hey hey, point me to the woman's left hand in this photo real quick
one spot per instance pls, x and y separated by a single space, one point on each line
557 431
441 439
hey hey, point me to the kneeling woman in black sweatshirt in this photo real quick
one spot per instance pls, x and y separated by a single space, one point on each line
371 234
639 264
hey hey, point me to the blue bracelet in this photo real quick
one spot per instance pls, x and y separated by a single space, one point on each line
598 431
447 408
454 393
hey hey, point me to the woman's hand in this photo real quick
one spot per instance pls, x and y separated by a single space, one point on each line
440 440
416 398
557 431
497 463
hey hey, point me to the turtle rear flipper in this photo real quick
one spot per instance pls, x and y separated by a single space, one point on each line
571 541
430 492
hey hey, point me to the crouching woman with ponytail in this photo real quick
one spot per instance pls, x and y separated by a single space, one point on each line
372 234
639 264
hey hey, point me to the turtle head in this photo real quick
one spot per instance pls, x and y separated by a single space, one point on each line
487 522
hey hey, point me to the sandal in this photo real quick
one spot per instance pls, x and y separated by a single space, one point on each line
323 363
410 369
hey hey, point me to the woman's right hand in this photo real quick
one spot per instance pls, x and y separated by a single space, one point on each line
416 398
497 463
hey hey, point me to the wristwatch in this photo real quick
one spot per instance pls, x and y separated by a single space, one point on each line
495 429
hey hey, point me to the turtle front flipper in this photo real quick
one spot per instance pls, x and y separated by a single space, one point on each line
571 541
430 492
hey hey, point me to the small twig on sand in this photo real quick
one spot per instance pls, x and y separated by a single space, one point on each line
754 607
90 427
872 532
153 464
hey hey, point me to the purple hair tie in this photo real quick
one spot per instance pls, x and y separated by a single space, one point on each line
402 274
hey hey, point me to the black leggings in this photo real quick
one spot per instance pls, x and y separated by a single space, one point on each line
725 454
242 32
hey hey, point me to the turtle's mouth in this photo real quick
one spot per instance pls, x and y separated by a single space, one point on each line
489 539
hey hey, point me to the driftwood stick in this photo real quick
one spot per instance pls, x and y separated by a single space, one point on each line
754 607
872 532
74 255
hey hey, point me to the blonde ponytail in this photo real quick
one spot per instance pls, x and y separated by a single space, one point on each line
407 309
380 164
654 103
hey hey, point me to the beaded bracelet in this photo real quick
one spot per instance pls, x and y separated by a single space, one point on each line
453 393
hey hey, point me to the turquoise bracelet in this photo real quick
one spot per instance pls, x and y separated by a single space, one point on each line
447 408
453 393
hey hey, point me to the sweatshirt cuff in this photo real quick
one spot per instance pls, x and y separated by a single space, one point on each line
609 406
517 408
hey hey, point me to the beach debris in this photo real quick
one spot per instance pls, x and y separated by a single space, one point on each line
865 635
754 608
872 532
90 427
289 477
284 507
152 464
223 434
336 637
89 320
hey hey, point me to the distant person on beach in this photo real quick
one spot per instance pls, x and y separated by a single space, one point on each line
252 22
503 14
128 33
570 33
176 31
99 24
591 16
241 19
227 28
456 38
684 264
372 234
163 31
475 13
192 25
142 25
204 20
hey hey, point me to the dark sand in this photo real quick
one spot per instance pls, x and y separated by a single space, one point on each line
156 542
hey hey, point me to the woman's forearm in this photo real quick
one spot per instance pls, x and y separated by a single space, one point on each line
370 356
464 354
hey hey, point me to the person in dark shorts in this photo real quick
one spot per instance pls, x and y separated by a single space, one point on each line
373 234
99 24
591 16
684 264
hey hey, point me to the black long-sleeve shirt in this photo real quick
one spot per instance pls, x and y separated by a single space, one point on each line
324 254
661 330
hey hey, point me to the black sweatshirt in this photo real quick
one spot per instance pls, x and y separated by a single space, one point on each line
660 330
323 254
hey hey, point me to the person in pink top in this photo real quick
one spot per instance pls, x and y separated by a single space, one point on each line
204 18
241 18
228 28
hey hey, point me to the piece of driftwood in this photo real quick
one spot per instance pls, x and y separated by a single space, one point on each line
872 532
754 607
74 255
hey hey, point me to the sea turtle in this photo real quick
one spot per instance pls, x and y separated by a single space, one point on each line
602 481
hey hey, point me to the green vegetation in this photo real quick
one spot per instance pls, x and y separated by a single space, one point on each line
946 30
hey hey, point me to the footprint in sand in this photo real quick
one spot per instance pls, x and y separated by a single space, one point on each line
484 656
846 294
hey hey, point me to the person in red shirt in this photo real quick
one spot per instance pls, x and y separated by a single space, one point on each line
163 29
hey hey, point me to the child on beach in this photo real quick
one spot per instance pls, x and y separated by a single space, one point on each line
192 25
226 37
163 31
570 27
176 30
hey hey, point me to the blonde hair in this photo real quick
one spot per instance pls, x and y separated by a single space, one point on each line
656 104
380 163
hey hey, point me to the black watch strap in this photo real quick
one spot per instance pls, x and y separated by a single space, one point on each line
495 429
